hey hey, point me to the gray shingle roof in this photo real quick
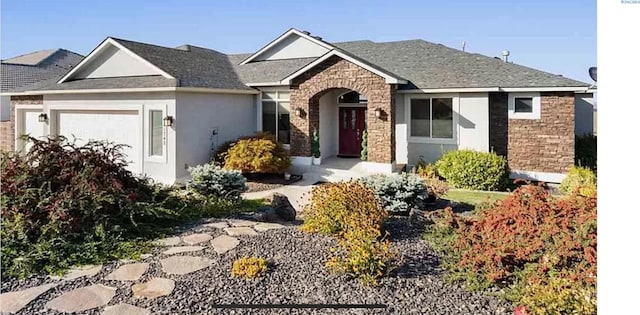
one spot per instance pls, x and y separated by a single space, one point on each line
431 66
267 71
192 66
106 83
25 70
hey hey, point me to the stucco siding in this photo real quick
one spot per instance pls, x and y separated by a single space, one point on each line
401 131
585 117
161 169
473 122
199 114
293 46
114 62
328 124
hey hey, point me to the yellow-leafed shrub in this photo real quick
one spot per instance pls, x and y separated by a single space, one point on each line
580 180
258 155
249 267
335 207
559 296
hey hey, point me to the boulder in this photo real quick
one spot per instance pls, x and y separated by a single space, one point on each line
282 207
266 214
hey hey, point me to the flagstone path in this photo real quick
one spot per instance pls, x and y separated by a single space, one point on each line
142 287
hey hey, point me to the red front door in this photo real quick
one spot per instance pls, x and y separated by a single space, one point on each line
352 124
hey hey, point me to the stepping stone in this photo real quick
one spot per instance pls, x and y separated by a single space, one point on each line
261 227
180 265
12 302
130 272
122 308
243 230
77 272
217 225
168 241
182 249
197 238
240 222
153 288
224 243
82 299
145 256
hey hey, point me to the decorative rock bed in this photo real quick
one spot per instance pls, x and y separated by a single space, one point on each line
195 282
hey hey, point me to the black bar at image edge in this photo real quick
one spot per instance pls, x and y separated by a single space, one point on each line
300 306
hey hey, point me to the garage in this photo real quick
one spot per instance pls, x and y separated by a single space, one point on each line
121 127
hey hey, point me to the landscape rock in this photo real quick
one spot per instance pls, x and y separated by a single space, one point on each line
153 288
241 223
167 241
129 272
82 299
266 214
283 208
216 225
81 271
197 238
182 249
180 265
12 302
224 243
262 227
243 230
125 309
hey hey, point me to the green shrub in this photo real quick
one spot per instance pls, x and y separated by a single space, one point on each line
258 155
336 207
579 179
474 170
64 204
398 192
211 180
587 151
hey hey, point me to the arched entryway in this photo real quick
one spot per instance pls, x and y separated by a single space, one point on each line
322 86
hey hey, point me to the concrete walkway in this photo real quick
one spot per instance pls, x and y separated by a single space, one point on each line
298 193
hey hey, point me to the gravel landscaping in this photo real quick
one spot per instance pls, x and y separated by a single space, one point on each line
263 182
296 274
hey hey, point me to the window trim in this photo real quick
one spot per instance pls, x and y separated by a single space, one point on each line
535 113
148 157
455 106
276 100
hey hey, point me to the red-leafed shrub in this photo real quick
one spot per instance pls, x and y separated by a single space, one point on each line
521 241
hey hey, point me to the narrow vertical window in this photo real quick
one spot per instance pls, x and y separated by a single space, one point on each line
155 133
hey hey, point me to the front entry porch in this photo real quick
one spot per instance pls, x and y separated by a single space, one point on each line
335 169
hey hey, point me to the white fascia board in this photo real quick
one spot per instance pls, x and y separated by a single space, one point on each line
103 46
264 84
547 89
281 38
450 90
388 79
134 90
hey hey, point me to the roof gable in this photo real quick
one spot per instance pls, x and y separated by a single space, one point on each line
293 44
31 59
110 60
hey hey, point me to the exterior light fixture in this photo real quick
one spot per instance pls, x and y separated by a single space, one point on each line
378 113
43 117
167 121
299 112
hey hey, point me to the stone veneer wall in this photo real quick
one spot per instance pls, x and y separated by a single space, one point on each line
542 145
7 129
335 73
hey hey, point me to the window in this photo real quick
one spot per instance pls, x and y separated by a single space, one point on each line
155 133
524 106
432 118
275 115
352 97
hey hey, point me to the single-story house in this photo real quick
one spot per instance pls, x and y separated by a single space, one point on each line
415 99
21 71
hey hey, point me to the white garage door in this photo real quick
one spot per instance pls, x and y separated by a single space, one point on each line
122 127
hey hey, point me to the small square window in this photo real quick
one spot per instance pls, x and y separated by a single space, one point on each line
523 105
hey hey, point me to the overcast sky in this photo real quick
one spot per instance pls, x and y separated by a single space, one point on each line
555 36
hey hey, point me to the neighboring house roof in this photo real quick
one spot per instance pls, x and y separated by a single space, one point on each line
19 73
